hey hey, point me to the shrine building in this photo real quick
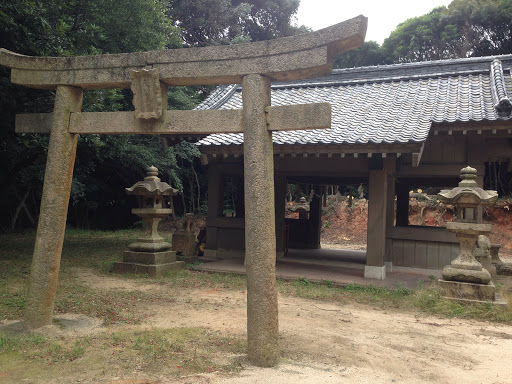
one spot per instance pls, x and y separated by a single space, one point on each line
394 127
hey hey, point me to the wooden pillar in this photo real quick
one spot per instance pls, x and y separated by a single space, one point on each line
239 196
44 272
215 206
480 183
390 214
315 220
376 237
260 234
280 203
402 204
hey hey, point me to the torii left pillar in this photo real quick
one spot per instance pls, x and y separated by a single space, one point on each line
54 207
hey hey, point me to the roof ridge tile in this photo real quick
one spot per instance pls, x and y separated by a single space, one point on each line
502 103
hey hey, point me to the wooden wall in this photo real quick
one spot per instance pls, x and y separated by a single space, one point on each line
422 247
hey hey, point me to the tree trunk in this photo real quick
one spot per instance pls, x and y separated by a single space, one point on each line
184 204
192 199
198 188
171 204
18 210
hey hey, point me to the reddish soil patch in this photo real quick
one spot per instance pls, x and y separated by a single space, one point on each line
344 224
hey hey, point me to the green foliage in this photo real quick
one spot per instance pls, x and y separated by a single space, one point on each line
302 281
104 164
466 28
65 28
213 22
370 53
426 37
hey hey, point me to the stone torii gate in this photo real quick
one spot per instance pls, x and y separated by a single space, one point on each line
149 74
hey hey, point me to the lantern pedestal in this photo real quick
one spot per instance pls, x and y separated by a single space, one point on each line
466 268
150 255
467 291
150 263
151 241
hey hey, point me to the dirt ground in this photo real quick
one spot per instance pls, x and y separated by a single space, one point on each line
322 342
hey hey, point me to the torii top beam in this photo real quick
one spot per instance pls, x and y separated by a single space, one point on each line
288 58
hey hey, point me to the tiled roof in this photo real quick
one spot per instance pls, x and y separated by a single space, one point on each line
391 104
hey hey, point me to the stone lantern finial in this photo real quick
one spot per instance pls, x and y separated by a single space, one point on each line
468 177
152 173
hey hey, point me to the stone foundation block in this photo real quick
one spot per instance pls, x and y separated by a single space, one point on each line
185 243
151 270
373 272
149 257
150 263
467 291
504 269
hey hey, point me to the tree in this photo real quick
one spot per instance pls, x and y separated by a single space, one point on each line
210 22
77 27
270 19
467 28
370 53
106 164
485 26
427 37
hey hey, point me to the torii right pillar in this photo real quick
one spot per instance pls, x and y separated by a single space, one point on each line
260 256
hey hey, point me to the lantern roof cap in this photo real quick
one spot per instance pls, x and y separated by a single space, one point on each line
151 185
468 192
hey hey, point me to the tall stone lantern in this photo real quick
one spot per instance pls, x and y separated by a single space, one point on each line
150 254
465 278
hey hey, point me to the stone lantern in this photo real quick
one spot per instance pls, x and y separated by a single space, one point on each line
302 207
150 254
465 278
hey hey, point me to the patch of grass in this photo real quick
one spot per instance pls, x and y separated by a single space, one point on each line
187 350
12 305
426 300
113 307
18 342
302 281
98 250
171 352
37 347
198 279
327 290
429 301
94 249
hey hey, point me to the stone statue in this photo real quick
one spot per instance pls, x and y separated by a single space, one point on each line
482 252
